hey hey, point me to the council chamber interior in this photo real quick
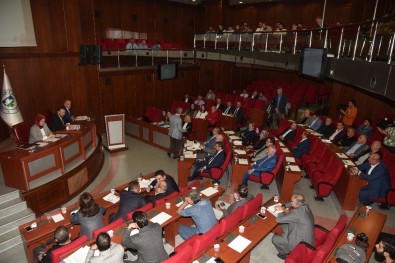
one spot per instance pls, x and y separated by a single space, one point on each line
179 47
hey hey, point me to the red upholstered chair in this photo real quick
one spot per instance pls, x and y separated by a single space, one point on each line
216 173
107 228
231 220
389 199
183 255
252 206
57 253
266 178
21 132
166 198
185 189
143 208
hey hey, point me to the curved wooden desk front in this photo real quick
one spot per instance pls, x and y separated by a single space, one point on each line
57 172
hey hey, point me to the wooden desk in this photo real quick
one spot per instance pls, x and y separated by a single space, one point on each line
184 168
228 122
371 225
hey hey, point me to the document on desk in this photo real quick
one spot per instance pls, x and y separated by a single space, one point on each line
239 243
281 144
285 150
294 168
160 218
243 161
57 218
238 143
111 198
188 143
189 154
348 162
272 209
240 151
76 257
290 159
146 182
342 155
230 132
52 139
234 137
326 141
41 144
209 191
60 135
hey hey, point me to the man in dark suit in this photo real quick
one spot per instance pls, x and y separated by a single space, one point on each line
289 133
327 128
278 107
263 165
302 147
209 146
62 237
160 192
160 175
238 113
215 160
338 134
228 109
219 105
147 240
58 123
69 116
377 175
187 99
129 200
347 140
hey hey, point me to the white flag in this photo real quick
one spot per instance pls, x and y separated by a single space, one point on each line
10 112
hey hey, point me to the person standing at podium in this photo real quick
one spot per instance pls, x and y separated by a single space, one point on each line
58 123
39 131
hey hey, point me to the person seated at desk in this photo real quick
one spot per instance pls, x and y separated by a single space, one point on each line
62 237
199 101
377 175
358 147
39 131
147 239
109 252
305 116
241 197
187 126
69 116
58 123
262 152
142 45
244 94
90 215
260 142
160 175
366 128
191 111
302 147
338 134
210 95
263 165
297 225
160 192
289 133
202 113
364 156
250 135
187 99
201 212
213 117
164 118
327 129
348 140
209 146
204 165
129 200
131 45
385 250
219 105
315 123
238 113
228 110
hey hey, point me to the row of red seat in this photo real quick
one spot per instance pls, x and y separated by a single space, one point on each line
195 245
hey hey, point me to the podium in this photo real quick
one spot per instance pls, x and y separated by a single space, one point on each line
115 131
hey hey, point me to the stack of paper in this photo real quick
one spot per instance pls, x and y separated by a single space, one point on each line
273 210
76 257
243 161
326 141
52 139
111 198
209 191
342 155
238 143
146 182
189 154
57 218
348 162
294 168
241 152
233 137
290 159
81 118
41 144
60 135
160 218
239 244
285 150
229 132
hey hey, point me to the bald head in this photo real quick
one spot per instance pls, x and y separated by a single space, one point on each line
219 138
362 139
297 200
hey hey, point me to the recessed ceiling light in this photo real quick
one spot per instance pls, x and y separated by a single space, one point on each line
240 2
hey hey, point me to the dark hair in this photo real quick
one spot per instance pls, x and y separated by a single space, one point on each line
220 144
61 234
88 207
389 247
160 172
61 108
271 139
242 190
140 218
353 102
133 185
103 241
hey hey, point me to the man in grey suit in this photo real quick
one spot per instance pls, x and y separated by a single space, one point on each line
175 133
297 225
358 147
147 240
109 253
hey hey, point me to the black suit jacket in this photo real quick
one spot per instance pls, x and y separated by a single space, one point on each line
290 136
129 201
282 104
67 116
326 130
188 128
230 111
57 124
171 184
153 198
238 115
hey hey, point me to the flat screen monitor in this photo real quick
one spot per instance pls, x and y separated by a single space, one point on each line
167 71
312 62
